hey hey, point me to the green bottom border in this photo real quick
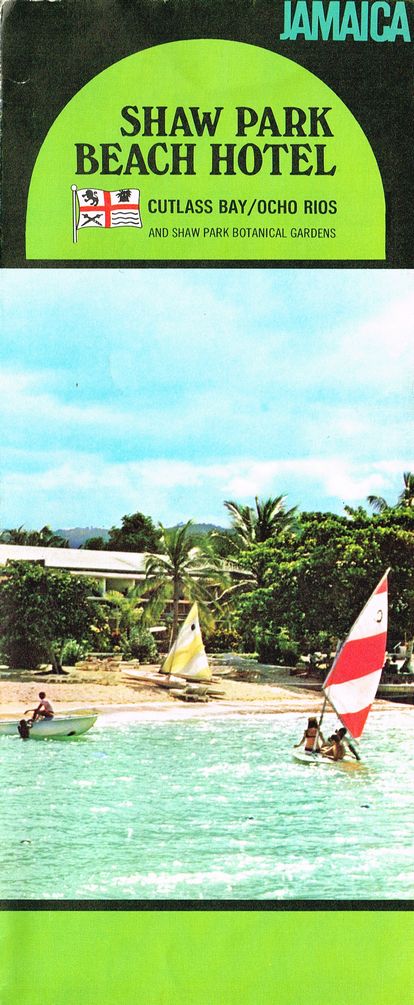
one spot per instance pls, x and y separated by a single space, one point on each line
177 956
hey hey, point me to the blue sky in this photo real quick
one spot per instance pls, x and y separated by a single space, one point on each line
168 391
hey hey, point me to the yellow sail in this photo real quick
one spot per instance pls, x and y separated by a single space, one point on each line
187 657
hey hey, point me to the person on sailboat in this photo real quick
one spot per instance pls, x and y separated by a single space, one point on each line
337 744
334 748
344 739
312 737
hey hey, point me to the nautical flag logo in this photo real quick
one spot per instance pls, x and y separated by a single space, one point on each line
95 208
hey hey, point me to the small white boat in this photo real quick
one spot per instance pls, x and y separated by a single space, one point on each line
312 757
61 726
353 680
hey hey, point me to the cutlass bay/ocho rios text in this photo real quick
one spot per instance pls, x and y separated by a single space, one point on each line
240 207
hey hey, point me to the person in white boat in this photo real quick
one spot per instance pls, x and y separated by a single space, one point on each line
44 709
312 737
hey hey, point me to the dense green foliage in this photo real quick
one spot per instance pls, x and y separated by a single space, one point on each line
317 579
41 609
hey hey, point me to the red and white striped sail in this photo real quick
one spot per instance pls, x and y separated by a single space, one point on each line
351 684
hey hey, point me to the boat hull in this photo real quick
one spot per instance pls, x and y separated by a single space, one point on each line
308 757
62 727
166 681
154 677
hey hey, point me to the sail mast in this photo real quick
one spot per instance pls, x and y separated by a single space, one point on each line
320 722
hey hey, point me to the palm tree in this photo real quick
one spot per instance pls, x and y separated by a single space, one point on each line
44 537
14 535
182 570
405 498
126 609
378 504
269 519
49 539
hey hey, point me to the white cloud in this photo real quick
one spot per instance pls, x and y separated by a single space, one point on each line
23 396
375 353
89 490
196 386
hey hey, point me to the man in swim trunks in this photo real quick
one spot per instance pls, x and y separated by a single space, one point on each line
44 709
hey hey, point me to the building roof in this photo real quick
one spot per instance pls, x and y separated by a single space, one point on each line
76 559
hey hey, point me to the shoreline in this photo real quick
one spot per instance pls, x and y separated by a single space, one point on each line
110 693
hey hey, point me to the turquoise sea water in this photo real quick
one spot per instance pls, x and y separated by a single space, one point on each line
206 807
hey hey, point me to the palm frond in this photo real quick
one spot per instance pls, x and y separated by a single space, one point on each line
378 503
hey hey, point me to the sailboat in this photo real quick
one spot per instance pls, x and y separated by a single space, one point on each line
187 657
185 664
352 682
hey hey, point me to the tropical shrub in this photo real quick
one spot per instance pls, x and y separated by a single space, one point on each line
73 651
277 647
142 645
40 609
223 639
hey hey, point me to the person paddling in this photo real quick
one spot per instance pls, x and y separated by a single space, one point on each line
312 737
44 709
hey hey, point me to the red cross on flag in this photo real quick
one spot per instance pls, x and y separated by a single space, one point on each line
94 208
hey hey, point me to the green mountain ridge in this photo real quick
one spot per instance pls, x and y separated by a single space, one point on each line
76 536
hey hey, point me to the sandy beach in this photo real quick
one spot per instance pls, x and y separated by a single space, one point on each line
106 691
